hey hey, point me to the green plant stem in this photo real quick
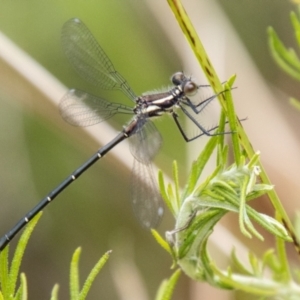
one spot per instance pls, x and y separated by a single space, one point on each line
215 82
281 252
196 45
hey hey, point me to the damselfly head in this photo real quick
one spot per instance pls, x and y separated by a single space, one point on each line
178 78
188 86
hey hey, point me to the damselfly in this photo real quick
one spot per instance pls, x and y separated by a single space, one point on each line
82 109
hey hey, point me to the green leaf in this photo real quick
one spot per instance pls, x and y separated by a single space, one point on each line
296 26
284 272
221 137
54 292
243 218
232 122
172 207
16 262
238 265
271 260
191 182
230 189
74 275
297 224
285 58
172 199
166 288
196 45
4 272
24 287
22 292
176 183
161 241
195 234
254 264
249 284
198 166
92 276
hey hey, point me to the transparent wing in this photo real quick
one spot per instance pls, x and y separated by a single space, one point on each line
89 59
146 200
79 108
145 141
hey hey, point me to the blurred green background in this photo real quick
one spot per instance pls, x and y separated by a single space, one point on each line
38 150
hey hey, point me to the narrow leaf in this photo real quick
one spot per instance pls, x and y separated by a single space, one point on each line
196 45
254 264
176 182
162 189
296 26
233 126
54 292
94 272
166 289
161 241
74 275
240 267
285 58
16 262
24 287
4 273
199 166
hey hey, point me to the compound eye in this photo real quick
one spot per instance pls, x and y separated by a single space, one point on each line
178 78
190 88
